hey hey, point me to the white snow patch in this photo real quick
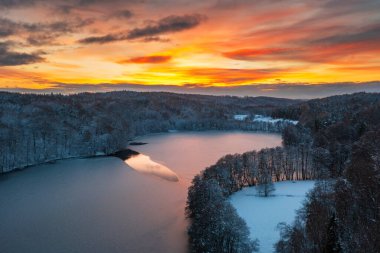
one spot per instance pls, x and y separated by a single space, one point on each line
240 117
268 119
262 214
144 164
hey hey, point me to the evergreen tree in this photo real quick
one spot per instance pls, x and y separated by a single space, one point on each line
332 241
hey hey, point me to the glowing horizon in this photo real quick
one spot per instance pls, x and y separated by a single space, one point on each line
217 43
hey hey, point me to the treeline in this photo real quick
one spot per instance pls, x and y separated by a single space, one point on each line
38 128
342 213
294 161
215 225
266 126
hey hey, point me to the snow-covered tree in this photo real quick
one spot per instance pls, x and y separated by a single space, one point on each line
265 179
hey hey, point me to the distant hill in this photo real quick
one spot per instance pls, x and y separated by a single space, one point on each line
38 128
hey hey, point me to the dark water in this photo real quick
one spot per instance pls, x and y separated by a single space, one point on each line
102 205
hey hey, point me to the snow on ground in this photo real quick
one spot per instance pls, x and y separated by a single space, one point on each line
240 117
263 214
267 119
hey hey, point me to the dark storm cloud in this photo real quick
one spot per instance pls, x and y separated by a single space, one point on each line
15 3
7 27
23 3
12 58
60 26
167 25
170 24
5 32
123 14
63 6
40 33
354 5
156 39
102 39
10 27
45 34
370 34
41 39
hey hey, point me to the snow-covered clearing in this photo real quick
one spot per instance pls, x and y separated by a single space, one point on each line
240 117
267 119
263 214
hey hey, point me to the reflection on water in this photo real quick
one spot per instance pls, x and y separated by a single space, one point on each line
144 164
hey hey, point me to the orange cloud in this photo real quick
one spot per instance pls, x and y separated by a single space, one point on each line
248 54
148 59
233 76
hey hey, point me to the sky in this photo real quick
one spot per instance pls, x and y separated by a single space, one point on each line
286 48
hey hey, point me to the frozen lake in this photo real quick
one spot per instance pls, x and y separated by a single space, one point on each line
102 205
263 214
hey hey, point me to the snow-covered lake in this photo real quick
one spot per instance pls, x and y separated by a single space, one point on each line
263 214
102 205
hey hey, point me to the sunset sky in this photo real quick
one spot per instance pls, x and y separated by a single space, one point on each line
68 45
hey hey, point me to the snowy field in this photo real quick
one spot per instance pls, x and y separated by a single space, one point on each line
263 214
267 119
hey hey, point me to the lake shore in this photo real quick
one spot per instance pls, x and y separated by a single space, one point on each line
102 154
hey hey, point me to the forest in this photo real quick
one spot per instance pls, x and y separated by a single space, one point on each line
336 141
40 128
338 147
342 214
